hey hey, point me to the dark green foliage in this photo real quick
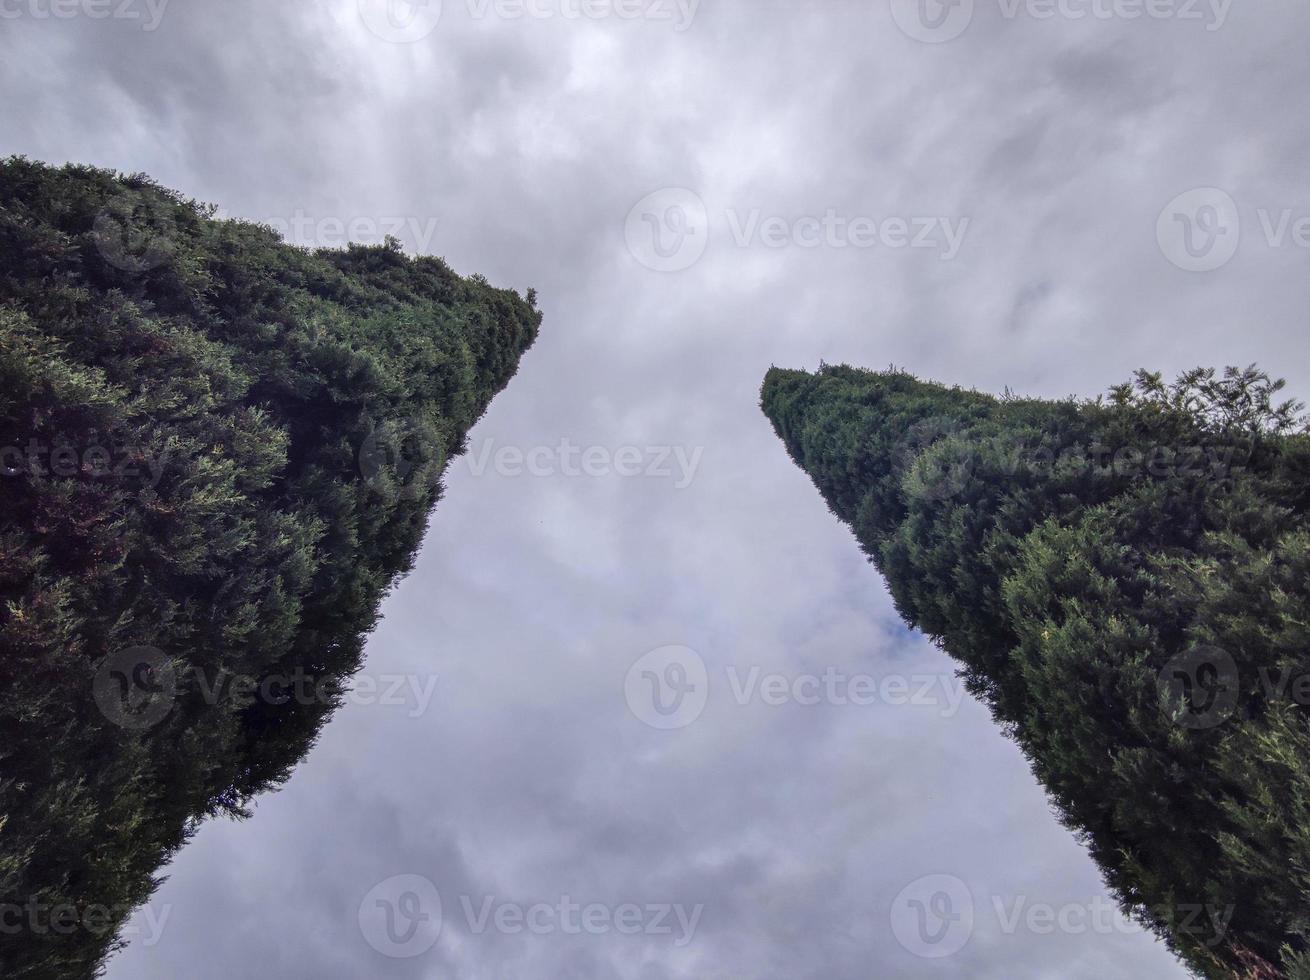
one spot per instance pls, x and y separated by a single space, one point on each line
242 443
1127 583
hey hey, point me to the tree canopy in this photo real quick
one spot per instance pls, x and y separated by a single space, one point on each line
219 453
1124 582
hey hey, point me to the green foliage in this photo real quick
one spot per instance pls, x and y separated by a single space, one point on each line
217 446
1124 582
1243 399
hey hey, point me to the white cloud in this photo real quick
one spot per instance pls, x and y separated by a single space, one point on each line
529 141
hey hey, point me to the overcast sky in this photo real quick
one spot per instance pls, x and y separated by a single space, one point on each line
982 194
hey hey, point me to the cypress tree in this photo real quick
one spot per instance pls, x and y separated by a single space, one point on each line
1125 583
219 453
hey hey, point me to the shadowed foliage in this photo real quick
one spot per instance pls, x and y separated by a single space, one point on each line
1126 582
220 452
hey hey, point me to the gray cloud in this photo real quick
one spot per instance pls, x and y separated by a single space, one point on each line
528 141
